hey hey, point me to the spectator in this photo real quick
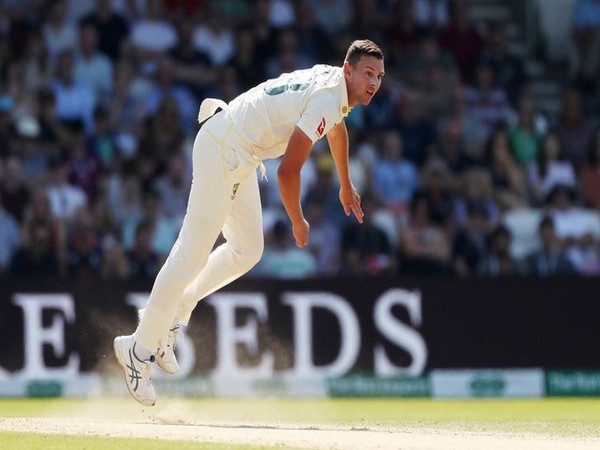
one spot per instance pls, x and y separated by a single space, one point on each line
84 252
395 179
418 133
115 265
215 38
39 212
424 246
312 40
469 244
36 258
486 104
174 187
550 259
524 137
191 67
366 249
152 36
402 34
112 28
578 229
551 169
439 191
452 150
245 61
282 259
498 261
586 29
37 71
124 194
590 174
65 198
165 88
83 168
144 262
164 231
324 242
477 193
509 72
432 14
60 35
15 194
10 238
102 144
574 128
462 38
508 177
92 68
333 16
75 102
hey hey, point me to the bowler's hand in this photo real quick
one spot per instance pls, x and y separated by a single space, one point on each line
300 231
350 200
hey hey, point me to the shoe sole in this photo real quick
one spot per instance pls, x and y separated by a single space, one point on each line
117 348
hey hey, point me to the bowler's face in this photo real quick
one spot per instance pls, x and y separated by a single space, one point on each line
363 80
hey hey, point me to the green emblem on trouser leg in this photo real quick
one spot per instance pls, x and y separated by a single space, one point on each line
235 189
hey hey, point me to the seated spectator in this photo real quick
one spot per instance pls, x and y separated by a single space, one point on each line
431 13
115 265
550 259
586 29
590 174
282 259
333 16
65 198
524 138
246 59
144 262
84 251
60 34
324 242
92 68
83 168
395 178
402 34
313 41
165 89
417 131
578 229
487 104
39 211
192 67
10 238
124 194
37 70
152 36
287 56
174 187
551 169
439 191
424 246
469 244
498 260
509 72
214 37
164 230
452 150
36 258
477 192
366 249
574 128
508 177
102 143
15 193
462 38
112 28
75 102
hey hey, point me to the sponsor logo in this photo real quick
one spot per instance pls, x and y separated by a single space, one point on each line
321 127
234 190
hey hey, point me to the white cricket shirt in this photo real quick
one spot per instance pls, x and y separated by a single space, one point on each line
313 99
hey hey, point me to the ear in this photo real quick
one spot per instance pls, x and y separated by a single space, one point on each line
347 68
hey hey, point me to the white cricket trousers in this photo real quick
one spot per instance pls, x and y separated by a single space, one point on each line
224 197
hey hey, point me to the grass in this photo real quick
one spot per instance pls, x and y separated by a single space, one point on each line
564 417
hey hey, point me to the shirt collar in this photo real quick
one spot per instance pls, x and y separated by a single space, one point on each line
344 108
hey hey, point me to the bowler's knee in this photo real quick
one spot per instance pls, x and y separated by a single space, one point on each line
251 255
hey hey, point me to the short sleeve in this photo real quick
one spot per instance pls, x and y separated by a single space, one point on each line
320 115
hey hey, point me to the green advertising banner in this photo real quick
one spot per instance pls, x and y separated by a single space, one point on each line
568 383
374 386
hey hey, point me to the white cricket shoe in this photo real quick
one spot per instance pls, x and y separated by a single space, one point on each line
138 373
165 357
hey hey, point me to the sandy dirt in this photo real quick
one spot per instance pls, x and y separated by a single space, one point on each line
313 436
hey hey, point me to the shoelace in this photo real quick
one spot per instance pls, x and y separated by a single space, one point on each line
172 336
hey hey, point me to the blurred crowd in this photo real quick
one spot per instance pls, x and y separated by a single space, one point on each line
460 172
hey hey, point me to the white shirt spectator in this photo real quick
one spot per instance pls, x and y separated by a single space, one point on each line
431 12
74 102
220 47
154 35
65 200
60 39
558 173
96 73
